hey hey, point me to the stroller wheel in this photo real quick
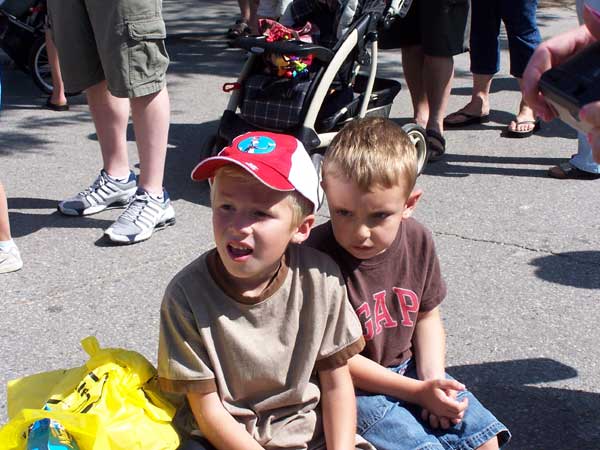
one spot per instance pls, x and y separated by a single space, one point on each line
39 66
419 139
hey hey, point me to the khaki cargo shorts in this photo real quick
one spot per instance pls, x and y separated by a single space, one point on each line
121 41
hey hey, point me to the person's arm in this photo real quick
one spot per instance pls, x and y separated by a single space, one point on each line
338 405
429 342
372 377
217 425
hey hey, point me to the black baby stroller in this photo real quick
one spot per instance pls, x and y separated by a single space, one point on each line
22 25
314 105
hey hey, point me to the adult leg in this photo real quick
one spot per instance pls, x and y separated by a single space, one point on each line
110 115
151 115
519 17
412 64
438 73
58 88
485 62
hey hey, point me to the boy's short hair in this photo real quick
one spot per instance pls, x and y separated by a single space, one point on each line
373 152
279 161
300 205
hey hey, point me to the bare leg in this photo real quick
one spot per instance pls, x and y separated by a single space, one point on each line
110 115
479 105
492 444
151 115
437 73
525 115
58 91
412 64
4 223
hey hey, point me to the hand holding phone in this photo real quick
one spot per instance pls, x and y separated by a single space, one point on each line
573 84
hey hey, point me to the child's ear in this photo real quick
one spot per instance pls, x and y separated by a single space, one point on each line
303 230
411 203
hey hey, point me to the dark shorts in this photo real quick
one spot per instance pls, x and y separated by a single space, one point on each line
441 27
120 41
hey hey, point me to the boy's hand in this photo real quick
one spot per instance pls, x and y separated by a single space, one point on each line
438 400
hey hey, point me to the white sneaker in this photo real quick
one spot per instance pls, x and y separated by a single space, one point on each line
104 193
10 260
143 215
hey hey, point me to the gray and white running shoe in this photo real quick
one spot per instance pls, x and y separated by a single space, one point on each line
143 215
104 193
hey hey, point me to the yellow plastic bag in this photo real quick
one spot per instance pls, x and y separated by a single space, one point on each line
110 403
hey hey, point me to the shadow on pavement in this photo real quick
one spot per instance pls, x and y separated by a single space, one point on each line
538 417
451 166
577 269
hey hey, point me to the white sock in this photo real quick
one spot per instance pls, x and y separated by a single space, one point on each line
7 245
119 179
158 198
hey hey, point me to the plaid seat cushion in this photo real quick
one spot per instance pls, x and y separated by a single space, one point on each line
272 102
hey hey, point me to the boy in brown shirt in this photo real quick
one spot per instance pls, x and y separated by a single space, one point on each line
388 261
250 328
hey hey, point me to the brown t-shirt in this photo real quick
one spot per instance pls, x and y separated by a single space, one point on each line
390 289
260 357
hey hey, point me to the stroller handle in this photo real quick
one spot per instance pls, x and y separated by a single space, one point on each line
259 45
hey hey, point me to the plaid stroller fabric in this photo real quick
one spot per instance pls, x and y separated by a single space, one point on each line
273 103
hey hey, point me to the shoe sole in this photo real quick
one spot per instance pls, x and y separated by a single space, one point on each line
133 239
92 209
11 268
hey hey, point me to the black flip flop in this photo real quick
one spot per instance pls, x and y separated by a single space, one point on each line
55 107
523 134
470 119
436 145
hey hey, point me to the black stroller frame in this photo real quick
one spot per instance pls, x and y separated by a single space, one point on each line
22 25
372 96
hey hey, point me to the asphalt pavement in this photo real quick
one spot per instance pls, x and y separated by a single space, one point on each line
520 251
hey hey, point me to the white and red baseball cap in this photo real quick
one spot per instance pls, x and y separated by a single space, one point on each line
279 161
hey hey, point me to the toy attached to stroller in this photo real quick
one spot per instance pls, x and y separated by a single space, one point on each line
329 89
22 38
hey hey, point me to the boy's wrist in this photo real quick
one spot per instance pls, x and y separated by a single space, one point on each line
410 390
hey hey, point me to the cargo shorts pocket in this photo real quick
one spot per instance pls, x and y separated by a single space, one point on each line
147 53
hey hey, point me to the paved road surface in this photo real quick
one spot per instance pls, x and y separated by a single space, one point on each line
520 251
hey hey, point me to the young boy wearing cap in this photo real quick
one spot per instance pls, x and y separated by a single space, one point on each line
392 273
247 326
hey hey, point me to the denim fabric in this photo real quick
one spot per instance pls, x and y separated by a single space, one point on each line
521 28
583 159
391 424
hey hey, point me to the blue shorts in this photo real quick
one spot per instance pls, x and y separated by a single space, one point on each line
391 424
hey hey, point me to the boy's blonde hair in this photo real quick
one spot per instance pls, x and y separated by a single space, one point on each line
301 207
373 152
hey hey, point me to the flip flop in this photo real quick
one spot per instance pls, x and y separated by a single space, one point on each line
436 145
523 134
55 107
567 171
469 119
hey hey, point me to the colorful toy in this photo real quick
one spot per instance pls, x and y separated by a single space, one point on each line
286 66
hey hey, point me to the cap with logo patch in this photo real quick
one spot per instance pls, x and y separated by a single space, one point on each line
279 161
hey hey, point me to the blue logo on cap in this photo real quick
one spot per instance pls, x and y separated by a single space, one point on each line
257 145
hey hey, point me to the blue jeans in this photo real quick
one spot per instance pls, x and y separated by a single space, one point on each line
583 159
521 28
391 424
